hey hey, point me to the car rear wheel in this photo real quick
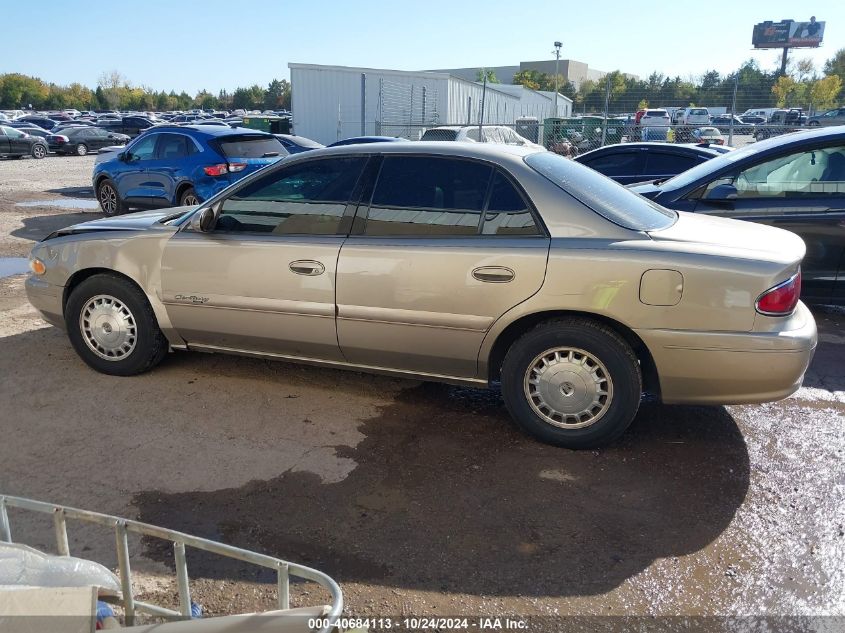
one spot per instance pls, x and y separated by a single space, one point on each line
39 151
81 149
572 382
189 198
112 327
813 124
109 199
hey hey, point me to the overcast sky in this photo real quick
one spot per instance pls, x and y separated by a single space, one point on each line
216 44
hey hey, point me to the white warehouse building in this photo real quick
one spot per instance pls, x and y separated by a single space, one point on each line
331 103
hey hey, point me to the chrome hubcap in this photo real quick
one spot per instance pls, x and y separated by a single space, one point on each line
108 199
81 150
39 151
190 200
108 327
568 387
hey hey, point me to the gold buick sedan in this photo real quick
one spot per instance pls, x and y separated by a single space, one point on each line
465 263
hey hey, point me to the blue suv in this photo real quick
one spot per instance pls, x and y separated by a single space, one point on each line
171 165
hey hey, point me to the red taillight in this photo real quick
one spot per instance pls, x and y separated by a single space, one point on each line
216 170
782 299
237 167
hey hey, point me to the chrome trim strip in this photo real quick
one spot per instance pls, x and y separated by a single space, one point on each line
318 362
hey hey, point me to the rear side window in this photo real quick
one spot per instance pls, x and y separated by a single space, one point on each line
417 195
618 164
604 196
250 146
306 198
507 212
172 146
660 164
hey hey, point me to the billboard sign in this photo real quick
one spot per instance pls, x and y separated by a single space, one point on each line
788 33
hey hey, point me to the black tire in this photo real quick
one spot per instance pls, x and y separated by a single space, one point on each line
623 381
38 151
188 197
81 149
149 345
813 124
109 198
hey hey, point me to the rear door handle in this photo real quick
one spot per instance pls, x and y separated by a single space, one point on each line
307 267
493 274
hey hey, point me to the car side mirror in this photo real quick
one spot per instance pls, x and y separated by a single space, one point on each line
123 157
722 192
204 220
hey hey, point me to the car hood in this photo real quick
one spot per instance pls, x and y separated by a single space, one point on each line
733 238
147 220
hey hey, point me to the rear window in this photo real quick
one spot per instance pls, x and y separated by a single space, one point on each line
604 196
439 135
250 146
656 113
698 111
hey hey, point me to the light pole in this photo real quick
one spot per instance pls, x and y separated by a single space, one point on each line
557 73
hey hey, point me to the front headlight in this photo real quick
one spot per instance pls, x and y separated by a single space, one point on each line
37 266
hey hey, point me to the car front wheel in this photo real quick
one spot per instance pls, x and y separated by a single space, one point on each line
112 327
109 198
572 382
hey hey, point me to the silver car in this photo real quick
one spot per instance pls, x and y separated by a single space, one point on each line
467 263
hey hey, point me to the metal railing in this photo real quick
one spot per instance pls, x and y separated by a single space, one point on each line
123 527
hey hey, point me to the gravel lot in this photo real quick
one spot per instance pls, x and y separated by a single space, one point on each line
419 499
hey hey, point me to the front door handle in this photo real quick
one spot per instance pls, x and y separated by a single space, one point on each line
307 267
493 274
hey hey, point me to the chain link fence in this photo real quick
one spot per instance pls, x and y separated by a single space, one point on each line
732 114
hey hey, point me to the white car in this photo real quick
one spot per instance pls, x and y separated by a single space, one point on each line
655 118
501 134
695 116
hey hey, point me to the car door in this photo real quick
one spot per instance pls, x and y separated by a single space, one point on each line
625 166
4 140
131 176
441 249
263 281
164 169
18 142
800 191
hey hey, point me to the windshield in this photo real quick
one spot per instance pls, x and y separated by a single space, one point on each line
601 194
713 165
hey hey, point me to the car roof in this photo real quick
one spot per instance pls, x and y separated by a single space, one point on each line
676 148
208 130
434 148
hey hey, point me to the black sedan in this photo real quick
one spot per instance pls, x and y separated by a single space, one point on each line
16 144
81 140
794 182
628 163
358 140
296 144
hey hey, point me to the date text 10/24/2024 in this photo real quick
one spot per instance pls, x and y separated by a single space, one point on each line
422 623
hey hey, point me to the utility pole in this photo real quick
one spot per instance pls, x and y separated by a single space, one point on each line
733 111
557 70
483 94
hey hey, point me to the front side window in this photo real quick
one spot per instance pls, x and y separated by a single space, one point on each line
306 198
808 173
144 149
423 196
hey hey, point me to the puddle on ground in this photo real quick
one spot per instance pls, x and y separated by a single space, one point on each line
13 266
64 203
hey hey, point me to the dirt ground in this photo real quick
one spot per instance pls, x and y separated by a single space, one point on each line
420 499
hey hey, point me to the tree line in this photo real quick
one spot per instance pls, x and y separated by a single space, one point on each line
116 92
802 86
